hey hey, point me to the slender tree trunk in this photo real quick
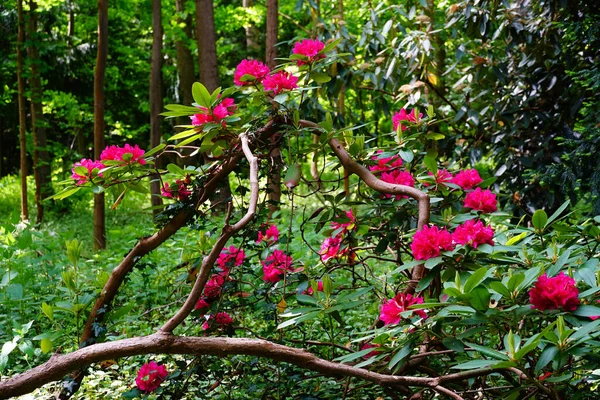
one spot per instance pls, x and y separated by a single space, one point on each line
99 72
185 61
41 158
22 113
209 75
274 178
156 97
252 45
341 105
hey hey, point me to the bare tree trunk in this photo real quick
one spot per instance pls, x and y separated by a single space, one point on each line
209 75
252 45
185 61
22 113
99 206
156 98
41 158
274 178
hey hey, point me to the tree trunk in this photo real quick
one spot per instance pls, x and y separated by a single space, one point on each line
209 75
252 45
156 98
99 72
185 61
41 158
274 178
22 113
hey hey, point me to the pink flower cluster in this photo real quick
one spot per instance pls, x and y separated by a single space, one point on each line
269 236
402 115
390 173
310 49
150 376
222 319
179 190
441 178
228 258
330 248
127 154
481 200
391 309
467 179
429 242
217 114
90 165
280 81
558 292
385 164
276 265
251 68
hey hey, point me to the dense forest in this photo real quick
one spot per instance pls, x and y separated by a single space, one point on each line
447 150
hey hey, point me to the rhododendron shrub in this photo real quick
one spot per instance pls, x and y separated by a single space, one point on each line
150 376
491 304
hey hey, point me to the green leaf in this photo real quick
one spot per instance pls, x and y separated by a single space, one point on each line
407 155
176 170
402 354
201 95
475 364
480 298
83 171
585 330
587 311
549 354
427 279
327 285
48 311
431 164
63 194
186 133
515 281
500 288
46 345
516 239
432 262
475 279
320 77
539 220
558 212
487 351
353 356
8 347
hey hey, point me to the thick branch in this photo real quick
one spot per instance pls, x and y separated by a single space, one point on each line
60 365
228 231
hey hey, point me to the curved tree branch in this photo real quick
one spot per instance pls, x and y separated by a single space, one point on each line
228 231
59 365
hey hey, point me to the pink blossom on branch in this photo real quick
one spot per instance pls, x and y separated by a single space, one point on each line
473 233
202 304
345 226
385 164
481 200
127 154
150 376
280 81
467 179
311 49
217 114
256 69
230 257
398 178
402 115
90 165
330 248
213 286
558 292
391 309
441 177
222 320
270 235
319 288
276 265
179 189
430 241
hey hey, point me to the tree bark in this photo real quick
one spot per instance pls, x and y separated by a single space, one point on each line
41 157
209 76
99 206
156 99
22 113
252 45
274 178
185 61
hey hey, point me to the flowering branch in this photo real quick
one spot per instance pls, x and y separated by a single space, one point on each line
59 365
228 231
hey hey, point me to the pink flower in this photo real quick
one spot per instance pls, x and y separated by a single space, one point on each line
554 293
271 235
201 304
400 116
90 165
430 241
179 188
481 200
385 164
256 69
126 154
276 265
217 115
441 177
280 81
222 319
390 311
230 257
330 248
212 289
398 178
150 376
473 233
311 49
319 288
345 226
467 179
